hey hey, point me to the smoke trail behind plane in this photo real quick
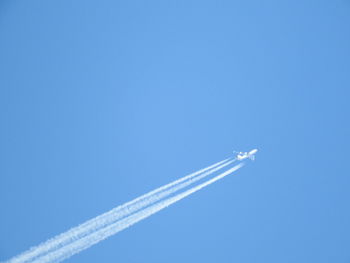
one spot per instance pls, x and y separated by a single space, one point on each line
117 213
97 236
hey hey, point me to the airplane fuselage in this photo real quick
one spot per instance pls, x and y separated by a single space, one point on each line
244 155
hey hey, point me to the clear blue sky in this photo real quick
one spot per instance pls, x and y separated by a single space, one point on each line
101 101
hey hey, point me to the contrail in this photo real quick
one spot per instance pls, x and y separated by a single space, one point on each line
95 237
116 214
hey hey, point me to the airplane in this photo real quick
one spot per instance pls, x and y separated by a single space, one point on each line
244 155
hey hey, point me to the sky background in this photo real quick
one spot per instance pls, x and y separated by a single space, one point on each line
102 101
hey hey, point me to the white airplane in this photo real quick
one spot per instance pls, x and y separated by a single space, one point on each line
244 155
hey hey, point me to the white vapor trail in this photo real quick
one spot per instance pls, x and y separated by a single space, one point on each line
115 214
97 236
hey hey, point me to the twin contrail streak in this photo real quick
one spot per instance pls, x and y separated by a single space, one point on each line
114 214
119 218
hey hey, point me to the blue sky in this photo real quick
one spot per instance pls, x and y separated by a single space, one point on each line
101 101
